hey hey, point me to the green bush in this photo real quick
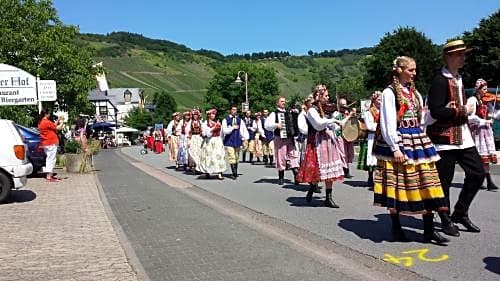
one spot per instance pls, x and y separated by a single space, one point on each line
72 146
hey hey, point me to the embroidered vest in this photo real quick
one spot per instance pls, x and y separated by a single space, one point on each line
234 138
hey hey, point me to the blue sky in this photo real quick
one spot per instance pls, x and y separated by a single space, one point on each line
296 26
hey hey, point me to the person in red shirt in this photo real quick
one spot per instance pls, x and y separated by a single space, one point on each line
49 141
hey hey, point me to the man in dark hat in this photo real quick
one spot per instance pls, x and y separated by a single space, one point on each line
452 138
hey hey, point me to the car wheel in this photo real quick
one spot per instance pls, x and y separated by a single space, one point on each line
5 187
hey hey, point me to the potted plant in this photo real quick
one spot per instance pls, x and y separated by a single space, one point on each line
77 161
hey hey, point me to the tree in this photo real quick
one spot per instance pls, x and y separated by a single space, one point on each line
139 119
223 92
404 41
165 105
34 39
484 60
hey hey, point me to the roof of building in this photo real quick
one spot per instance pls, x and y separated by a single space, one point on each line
115 95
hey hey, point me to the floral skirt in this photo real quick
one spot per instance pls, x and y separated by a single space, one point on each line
330 157
194 150
212 156
485 143
182 153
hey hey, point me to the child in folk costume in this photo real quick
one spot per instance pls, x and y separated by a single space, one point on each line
406 179
182 131
480 124
212 154
235 132
195 139
366 160
172 138
323 159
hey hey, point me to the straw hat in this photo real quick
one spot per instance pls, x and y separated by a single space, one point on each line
455 46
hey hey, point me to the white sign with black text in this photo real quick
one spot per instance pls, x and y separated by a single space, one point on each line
47 90
17 87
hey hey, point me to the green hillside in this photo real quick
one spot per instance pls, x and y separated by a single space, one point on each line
131 60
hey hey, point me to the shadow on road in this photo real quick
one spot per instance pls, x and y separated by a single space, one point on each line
356 183
21 196
492 264
301 201
379 230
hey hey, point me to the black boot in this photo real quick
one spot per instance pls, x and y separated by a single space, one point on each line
258 160
490 184
347 174
370 179
251 158
271 160
397 231
317 188
295 173
281 177
265 160
243 156
430 234
310 192
448 227
329 200
234 174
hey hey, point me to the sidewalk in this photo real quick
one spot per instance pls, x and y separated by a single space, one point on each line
60 231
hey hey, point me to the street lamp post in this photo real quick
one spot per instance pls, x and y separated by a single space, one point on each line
238 80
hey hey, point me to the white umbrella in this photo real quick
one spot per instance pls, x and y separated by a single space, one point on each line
126 130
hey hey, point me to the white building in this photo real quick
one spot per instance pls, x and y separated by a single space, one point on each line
114 105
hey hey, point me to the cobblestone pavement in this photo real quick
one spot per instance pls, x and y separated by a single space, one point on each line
60 231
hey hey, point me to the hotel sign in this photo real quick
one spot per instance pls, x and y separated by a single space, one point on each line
17 87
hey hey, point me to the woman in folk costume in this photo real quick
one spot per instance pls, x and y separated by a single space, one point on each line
323 160
309 169
172 138
480 124
150 139
182 131
406 179
366 160
158 142
195 140
212 154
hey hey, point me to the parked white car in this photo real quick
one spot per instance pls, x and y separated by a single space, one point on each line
14 164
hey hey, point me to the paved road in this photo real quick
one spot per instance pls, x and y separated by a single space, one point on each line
359 225
175 237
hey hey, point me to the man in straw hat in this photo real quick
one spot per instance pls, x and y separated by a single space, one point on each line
452 137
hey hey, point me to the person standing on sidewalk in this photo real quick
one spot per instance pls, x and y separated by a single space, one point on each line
451 135
282 123
406 179
182 130
480 123
49 141
234 134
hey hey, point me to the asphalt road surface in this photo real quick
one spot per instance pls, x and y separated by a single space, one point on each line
357 225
